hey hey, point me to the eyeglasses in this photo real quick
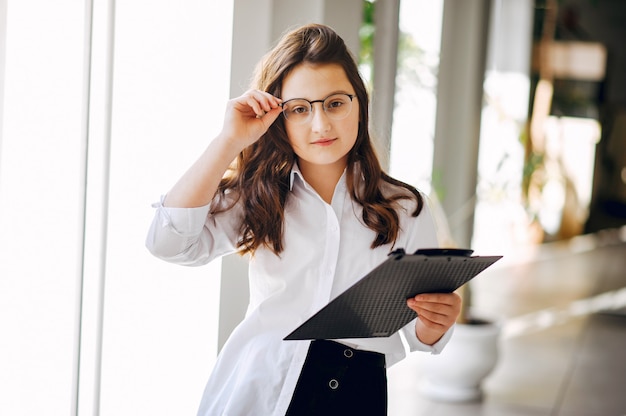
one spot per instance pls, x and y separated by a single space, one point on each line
300 111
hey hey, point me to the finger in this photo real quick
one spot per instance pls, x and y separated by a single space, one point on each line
261 102
271 116
272 100
435 317
248 105
437 312
255 105
443 298
434 303
431 326
430 312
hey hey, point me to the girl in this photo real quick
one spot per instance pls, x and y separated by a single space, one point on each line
306 198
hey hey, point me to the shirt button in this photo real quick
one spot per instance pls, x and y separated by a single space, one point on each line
348 353
333 384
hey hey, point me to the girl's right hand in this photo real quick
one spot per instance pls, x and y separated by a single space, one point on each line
249 116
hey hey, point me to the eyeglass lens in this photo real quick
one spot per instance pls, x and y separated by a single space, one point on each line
336 106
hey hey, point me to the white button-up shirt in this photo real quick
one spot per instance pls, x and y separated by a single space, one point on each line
326 250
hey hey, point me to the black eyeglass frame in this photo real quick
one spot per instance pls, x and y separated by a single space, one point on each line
350 96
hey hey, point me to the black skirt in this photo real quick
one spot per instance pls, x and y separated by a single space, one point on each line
338 380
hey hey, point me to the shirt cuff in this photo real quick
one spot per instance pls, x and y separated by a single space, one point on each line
416 345
184 222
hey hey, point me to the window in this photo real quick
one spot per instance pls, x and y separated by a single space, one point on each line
170 79
416 92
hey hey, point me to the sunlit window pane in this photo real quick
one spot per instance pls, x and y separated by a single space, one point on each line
416 92
40 169
171 65
171 82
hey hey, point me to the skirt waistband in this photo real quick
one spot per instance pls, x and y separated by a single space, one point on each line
334 352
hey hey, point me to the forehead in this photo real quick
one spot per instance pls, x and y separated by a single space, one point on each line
314 82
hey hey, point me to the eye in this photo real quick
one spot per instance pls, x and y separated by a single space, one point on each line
336 102
299 110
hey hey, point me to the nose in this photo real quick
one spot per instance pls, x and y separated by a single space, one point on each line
319 119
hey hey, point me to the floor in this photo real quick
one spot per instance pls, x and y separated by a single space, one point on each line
562 349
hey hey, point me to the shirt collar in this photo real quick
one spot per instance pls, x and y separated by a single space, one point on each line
295 172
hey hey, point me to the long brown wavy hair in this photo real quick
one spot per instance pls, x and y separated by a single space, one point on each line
260 176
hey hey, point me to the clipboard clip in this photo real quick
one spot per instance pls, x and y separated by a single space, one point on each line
465 252
397 254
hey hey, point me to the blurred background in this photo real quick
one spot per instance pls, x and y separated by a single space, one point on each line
510 114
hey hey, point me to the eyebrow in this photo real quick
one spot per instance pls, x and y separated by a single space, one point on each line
326 96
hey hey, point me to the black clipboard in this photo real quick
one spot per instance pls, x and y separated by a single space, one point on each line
375 306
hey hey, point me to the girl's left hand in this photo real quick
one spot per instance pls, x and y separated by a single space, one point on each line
436 313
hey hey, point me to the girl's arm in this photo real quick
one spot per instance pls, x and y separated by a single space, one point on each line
247 118
436 313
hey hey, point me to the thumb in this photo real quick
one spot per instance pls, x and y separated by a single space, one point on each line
270 117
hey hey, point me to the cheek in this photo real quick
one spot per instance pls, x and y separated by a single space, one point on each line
292 135
352 130
298 140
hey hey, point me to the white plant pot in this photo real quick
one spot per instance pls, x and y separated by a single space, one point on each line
456 375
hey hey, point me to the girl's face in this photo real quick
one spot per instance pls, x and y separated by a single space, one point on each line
322 141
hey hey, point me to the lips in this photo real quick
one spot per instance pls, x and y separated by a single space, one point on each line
324 141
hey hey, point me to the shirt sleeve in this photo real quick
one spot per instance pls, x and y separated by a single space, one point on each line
190 236
408 332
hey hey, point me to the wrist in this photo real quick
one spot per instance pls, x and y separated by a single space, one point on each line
227 146
427 335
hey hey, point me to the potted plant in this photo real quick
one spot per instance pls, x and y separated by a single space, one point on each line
457 374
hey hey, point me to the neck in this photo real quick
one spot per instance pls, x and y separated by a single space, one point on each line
323 178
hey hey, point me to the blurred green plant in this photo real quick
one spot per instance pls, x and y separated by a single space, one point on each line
366 34
415 66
